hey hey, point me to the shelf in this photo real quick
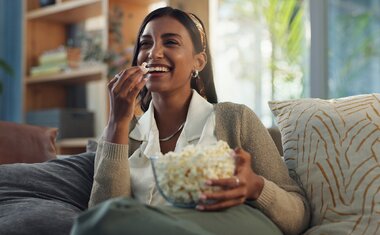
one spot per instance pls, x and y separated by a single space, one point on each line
81 75
138 2
72 145
68 12
73 142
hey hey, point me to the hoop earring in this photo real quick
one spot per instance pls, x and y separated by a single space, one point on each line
195 74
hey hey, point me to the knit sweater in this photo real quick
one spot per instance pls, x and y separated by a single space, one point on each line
281 199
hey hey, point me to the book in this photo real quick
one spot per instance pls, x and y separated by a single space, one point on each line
48 69
52 58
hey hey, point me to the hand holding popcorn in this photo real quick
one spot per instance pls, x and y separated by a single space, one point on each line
248 186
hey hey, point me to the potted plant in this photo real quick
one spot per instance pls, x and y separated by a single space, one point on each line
7 69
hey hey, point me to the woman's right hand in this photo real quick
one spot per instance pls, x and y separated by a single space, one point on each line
123 90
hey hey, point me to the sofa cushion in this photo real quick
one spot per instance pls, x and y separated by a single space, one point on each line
334 146
276 136
26 143
44 198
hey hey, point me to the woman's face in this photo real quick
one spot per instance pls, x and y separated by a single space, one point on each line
166 46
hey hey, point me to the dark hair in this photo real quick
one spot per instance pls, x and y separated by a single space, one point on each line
205 85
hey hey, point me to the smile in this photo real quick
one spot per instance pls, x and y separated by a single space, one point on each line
158 69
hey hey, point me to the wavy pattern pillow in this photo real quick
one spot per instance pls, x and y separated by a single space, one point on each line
334 146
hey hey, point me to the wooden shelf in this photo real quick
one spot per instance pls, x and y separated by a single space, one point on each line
143 3
73 142
67 12
45 29
81 75
72 145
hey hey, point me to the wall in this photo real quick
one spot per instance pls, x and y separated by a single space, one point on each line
198 7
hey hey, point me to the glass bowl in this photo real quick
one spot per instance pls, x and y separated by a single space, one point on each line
181 177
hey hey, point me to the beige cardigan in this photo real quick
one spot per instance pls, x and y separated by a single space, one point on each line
282 200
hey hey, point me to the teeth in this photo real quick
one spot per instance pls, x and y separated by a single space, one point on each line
158 69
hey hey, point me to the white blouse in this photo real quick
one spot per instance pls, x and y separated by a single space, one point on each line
198 129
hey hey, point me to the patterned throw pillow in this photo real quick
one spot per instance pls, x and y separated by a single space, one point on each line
334 146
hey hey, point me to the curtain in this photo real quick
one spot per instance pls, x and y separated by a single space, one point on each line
11 35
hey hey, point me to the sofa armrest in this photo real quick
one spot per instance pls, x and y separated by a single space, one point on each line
21 143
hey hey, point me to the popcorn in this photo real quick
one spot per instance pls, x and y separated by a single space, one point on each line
144 67
181 176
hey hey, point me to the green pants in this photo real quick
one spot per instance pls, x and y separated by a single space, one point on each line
125 216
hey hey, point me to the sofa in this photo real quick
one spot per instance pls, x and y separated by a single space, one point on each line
333 145
40 193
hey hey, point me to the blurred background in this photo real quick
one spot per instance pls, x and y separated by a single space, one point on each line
56 56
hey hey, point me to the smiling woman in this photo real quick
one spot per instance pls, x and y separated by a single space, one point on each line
204 86
169 55
178 96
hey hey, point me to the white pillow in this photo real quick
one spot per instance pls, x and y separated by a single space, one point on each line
334 146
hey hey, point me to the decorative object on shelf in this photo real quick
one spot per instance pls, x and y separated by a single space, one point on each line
118 55
74 57
44 3
91 46
51 62
84 45
75 35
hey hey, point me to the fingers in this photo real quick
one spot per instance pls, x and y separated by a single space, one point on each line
232 182
237 181
242 157
231 189
233 194
127 82
242 160
137 88
235 190
222 199
253 183
224 195
220 205
113 80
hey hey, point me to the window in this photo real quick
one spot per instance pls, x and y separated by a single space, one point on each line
260 51
354 47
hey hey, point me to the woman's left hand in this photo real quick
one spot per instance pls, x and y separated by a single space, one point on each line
245 184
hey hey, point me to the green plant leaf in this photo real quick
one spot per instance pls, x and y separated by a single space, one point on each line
8 69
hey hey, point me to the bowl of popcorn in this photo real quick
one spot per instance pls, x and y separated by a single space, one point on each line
181 177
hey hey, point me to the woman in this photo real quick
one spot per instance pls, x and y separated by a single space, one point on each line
179 100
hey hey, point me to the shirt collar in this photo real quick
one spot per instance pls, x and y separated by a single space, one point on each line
199 111
197 115
143 125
